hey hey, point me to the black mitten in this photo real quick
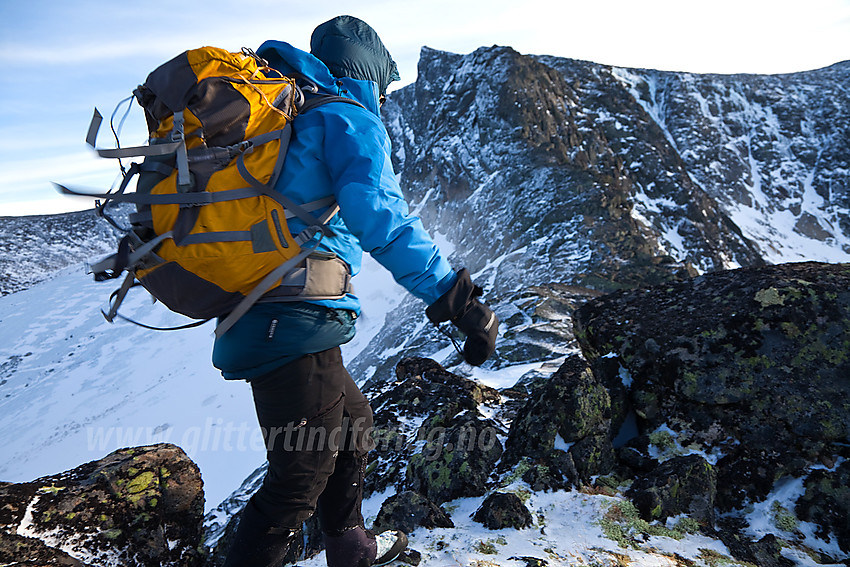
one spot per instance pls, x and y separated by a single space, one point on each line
460 305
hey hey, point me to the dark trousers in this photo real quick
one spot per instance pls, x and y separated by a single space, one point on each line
316 424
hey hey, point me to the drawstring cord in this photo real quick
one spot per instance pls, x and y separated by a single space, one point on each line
117 133
451 338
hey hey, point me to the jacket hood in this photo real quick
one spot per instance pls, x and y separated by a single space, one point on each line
292 61
351 48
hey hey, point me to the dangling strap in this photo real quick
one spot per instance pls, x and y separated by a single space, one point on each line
153 150
112 266
117 298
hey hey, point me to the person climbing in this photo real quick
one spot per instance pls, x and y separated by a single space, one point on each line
289 351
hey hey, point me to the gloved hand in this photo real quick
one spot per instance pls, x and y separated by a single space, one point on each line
460 305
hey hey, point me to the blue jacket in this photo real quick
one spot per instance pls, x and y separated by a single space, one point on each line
341 150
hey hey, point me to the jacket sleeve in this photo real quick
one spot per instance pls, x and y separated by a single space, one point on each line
357 155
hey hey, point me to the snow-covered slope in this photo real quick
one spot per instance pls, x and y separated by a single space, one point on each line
74 387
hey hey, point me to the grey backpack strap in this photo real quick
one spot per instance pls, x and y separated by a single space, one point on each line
144 151
264 286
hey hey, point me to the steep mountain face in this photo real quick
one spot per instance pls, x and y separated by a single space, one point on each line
772 150
543 169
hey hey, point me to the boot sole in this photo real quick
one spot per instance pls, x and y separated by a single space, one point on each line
393 553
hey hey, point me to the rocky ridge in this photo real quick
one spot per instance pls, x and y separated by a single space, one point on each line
689 405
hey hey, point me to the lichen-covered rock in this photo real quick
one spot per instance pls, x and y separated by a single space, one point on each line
20 550
682 485
458 457
408 511
503 510
826 503
530 561
574 406
424 385
765 552
140 506
554 470
751 364
426 420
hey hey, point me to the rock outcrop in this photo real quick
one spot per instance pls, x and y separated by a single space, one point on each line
749 368
140 507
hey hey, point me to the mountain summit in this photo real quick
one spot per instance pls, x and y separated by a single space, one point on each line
540 169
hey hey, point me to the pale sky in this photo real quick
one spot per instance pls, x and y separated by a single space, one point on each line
61 58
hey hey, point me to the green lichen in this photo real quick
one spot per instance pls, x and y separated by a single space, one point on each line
769 296
486 547
523 494
622 524
140 482
662 439
371 468
790 329
114 533
814 349
522 467
783 519
686 526
689 382
714 334
139 485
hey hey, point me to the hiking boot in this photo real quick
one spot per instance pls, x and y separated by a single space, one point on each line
360 547
390 545
353 547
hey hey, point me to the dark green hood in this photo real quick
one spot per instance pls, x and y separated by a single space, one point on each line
351 48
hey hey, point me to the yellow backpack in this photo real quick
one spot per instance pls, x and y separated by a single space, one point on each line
209 237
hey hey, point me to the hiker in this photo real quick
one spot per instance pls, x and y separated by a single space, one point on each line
289 351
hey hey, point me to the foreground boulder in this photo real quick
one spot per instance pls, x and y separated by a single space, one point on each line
562 432
682 485
408 511
140 506
503 510
430 435
750 368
